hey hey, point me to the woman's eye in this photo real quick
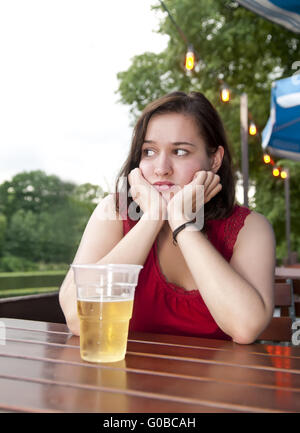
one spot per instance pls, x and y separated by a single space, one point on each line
181 152
178 152
148 152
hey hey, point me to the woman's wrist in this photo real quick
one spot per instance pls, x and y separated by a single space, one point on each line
174 223
156 219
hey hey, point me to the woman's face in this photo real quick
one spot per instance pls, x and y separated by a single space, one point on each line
173 151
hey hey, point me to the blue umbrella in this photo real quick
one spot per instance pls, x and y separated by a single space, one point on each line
283 12
281 135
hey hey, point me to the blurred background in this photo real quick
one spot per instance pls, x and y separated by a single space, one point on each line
74 77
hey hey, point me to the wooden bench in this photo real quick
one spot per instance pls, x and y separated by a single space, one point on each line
42 307
280 327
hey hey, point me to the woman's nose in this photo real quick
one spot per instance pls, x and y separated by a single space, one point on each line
163 166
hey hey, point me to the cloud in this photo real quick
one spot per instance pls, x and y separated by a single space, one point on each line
58 106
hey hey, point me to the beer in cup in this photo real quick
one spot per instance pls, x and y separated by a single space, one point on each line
105 296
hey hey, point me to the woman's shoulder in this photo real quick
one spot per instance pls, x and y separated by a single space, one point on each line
239 211
256 226
257 220
107 213
231 223
107 206
242 228
249 220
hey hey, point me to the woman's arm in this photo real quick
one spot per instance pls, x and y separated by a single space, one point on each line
103 231
103 242
239 295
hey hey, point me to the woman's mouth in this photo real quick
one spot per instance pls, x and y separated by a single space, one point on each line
163 186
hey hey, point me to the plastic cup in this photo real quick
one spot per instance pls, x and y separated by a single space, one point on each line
105 296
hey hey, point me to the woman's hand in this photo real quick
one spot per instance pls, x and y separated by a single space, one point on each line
187 202
146 196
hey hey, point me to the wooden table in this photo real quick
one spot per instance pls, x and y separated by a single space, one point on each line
41 371
288 272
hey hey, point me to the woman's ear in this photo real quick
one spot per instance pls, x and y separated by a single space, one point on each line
216 159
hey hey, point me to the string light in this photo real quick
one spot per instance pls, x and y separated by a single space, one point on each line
252 129
190 55
225 97
225 94
276 171
190 59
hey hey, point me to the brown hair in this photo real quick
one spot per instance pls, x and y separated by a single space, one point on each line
211 128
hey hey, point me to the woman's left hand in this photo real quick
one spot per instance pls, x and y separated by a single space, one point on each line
187 202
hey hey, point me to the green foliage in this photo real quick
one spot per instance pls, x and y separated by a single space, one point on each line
30 291
270 200
3 224
42 220
235 46
21 280
10 263
44 236
33 191
87 196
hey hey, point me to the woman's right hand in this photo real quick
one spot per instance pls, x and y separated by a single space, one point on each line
146 196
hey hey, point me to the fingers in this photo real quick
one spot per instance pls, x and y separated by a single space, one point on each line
200 177
134 192
133 176
136 177
139 186
173 191
213 192
211 182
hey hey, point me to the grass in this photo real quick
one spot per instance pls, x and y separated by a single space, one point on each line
28 291
22 274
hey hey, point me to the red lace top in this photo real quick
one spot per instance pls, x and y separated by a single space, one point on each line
163 307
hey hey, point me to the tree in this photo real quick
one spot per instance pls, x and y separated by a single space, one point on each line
33 191
22 238
43 218
232 45
88 195
270 200
3 224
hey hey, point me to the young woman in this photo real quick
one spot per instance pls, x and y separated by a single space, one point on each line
215 281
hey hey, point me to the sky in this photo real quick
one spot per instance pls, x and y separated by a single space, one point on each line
59 109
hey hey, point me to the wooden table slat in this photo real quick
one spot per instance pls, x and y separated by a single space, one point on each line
288 272
173 367
58 328
234 396
194 354
256 348
41 370
35 326
49 397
